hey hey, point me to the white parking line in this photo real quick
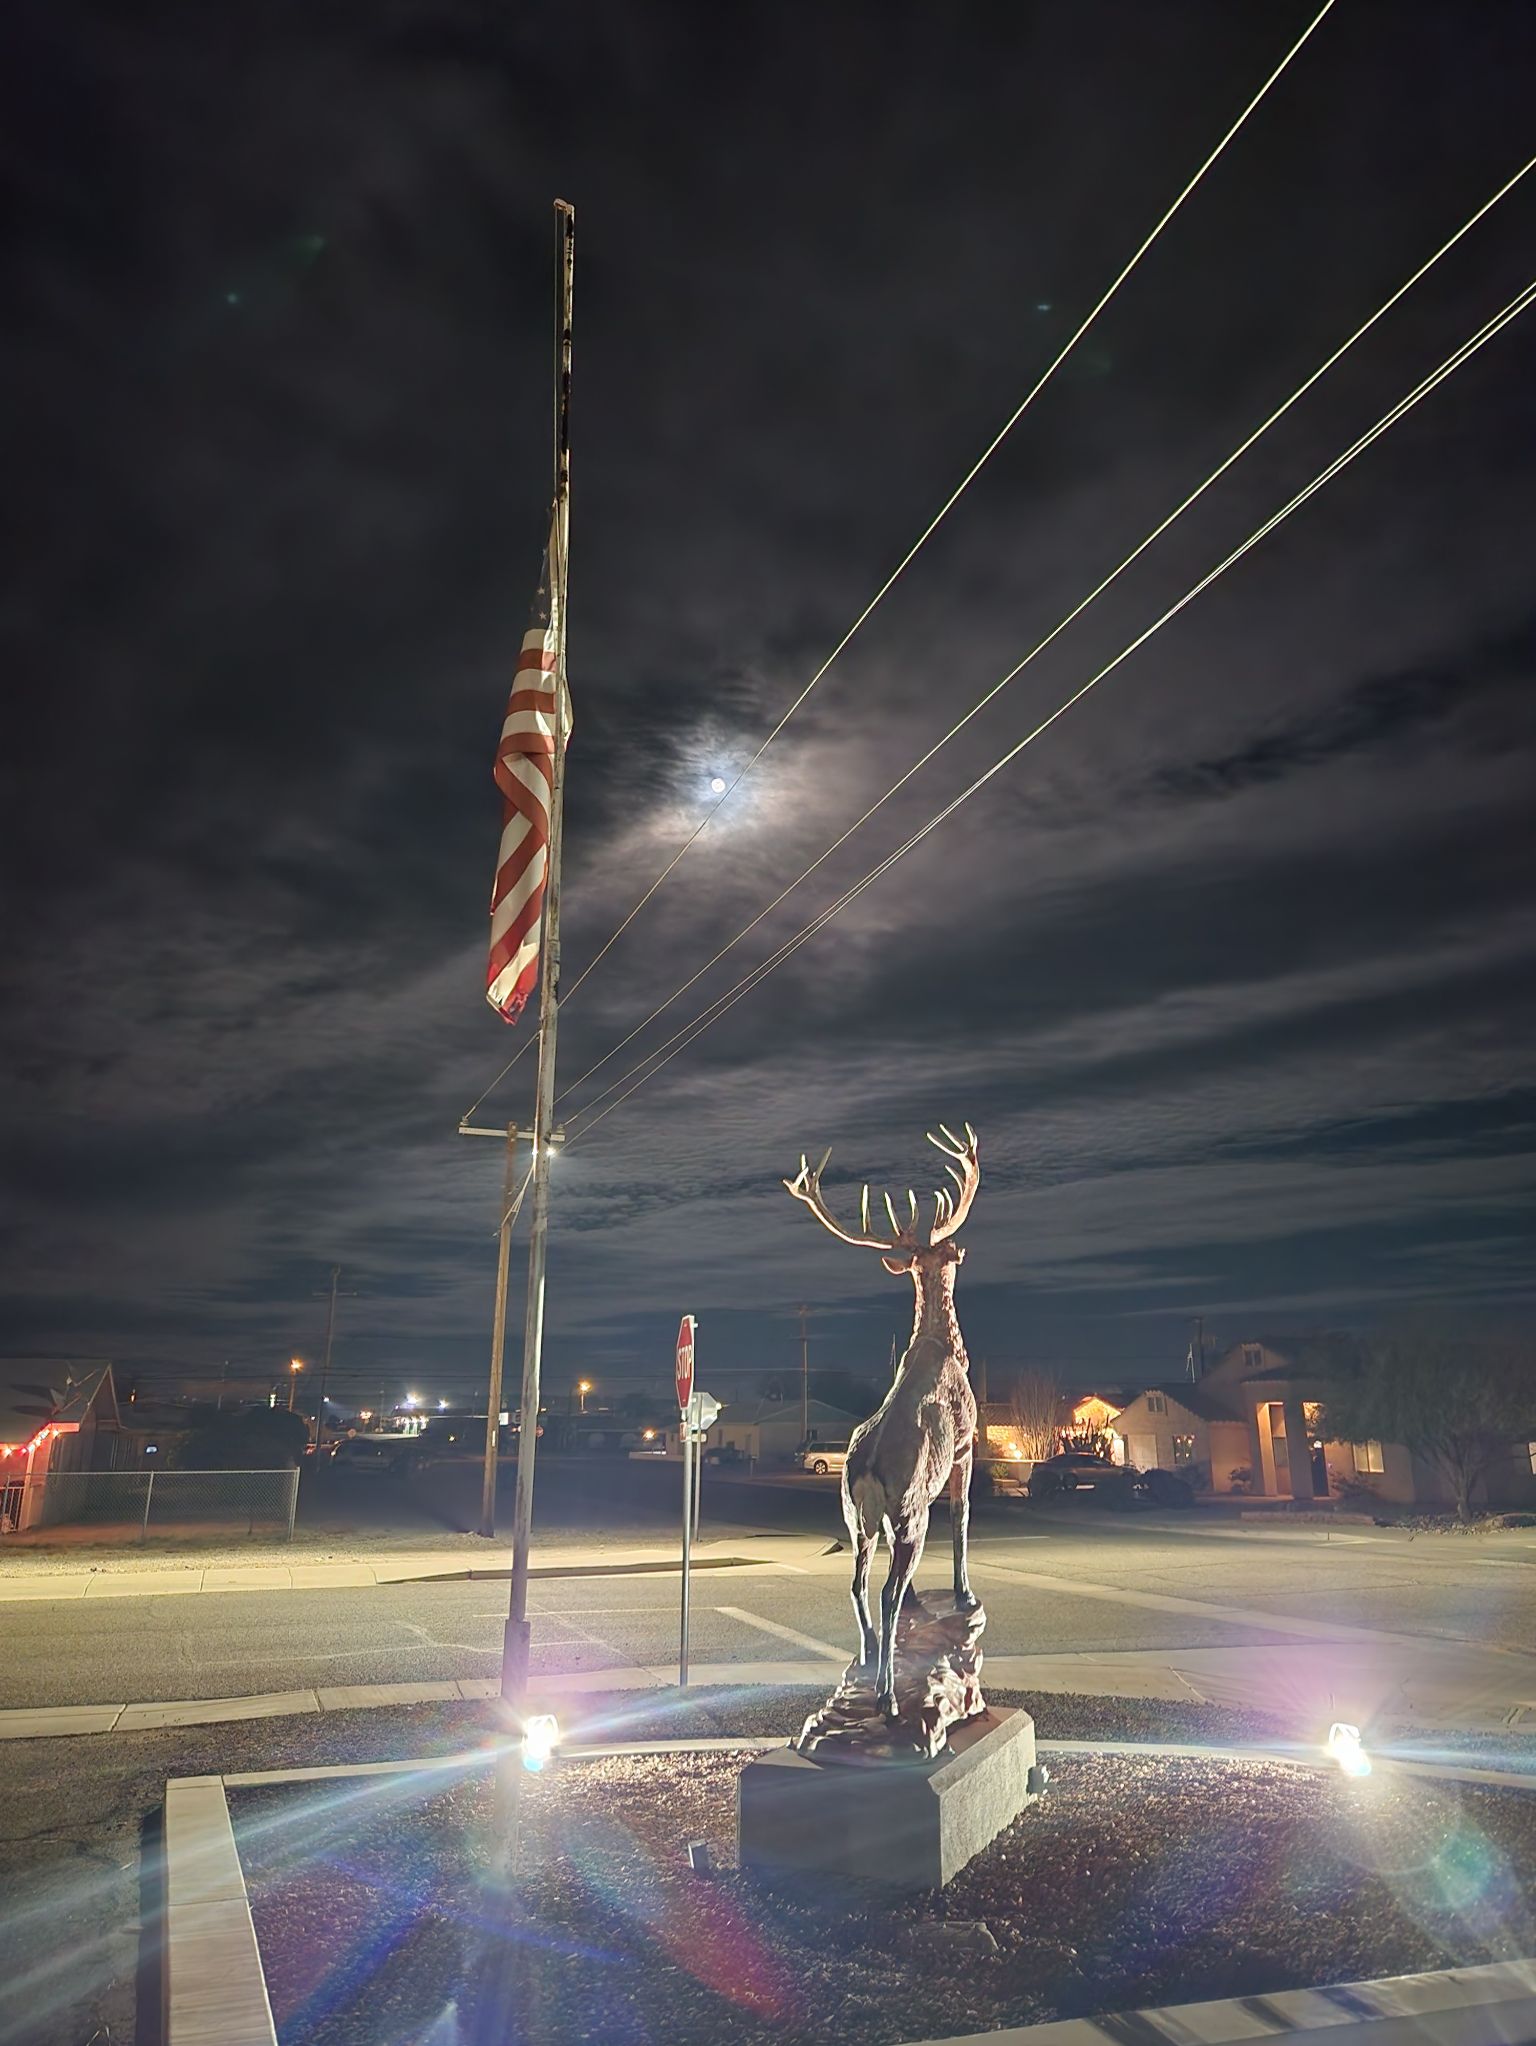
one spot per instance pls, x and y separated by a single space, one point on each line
785 1633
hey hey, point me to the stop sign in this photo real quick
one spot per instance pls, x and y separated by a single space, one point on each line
685 1361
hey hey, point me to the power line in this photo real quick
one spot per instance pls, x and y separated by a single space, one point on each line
1056 630
1404 405
927 533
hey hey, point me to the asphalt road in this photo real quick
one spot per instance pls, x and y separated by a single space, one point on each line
1075 1581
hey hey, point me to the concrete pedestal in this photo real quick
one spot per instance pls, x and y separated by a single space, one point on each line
906 1825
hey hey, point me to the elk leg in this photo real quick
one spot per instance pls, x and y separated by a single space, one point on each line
906 1553
869 1640
960 1530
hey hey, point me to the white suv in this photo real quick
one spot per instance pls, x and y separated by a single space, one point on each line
822 1457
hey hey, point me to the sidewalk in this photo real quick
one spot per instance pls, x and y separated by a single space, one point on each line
1406 1692
175 1575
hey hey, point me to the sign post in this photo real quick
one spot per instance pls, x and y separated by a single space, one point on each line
703 1412
684 1379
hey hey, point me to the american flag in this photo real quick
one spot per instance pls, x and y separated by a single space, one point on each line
525 761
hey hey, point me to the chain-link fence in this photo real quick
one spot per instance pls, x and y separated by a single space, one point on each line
133 1505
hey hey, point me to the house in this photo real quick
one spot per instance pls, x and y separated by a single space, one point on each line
1184 1428
769 1431
1091 1413
56 1417
1255 1423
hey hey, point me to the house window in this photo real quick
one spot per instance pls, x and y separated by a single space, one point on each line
1253 1356
1183 1450
1530 1450
1156 1404
1368 1460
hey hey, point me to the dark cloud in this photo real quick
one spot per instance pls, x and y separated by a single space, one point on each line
1233 970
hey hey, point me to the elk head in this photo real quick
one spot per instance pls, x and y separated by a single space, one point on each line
911 1243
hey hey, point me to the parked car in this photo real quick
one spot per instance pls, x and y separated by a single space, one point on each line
821 1457
1071 1470
395 1455
1118 1486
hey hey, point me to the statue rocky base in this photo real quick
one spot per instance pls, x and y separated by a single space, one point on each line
937 1670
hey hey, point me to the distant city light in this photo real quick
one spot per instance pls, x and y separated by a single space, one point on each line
649 1435
1343 1744
539 1741
441 1404
295 1363
411 1400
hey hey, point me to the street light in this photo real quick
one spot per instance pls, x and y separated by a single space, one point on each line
583 1387
295 1366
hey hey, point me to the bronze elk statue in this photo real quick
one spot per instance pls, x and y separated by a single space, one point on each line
922 1439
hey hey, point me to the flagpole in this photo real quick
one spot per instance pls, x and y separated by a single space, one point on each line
514 1656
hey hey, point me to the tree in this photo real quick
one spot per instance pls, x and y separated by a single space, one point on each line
253 1439
1457 1401
1034 1413
643 1407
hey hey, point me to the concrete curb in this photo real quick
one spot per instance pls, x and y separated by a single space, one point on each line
215 1990
1488 2006
49 1722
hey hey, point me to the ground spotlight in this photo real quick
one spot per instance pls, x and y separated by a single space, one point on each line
1343 1744
539 1740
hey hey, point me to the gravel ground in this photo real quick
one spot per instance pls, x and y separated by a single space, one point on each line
1136 1882
72 1814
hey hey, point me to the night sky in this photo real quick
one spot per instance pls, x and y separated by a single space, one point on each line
1232 971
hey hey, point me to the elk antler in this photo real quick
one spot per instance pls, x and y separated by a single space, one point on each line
949 1211
806 1187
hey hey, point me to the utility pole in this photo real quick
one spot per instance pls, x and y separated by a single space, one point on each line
509 1207
805 1376
330 1338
